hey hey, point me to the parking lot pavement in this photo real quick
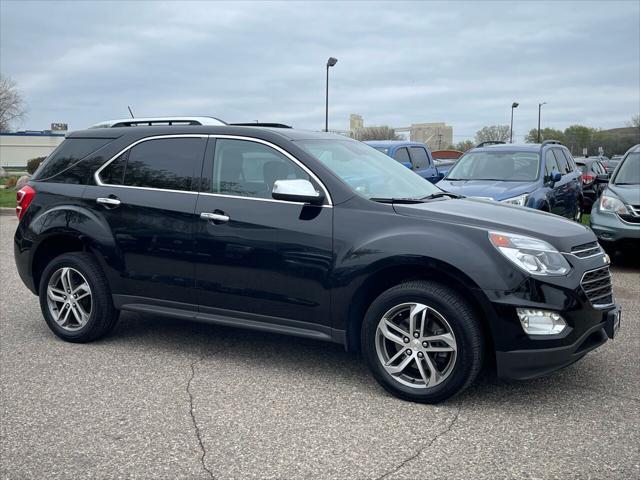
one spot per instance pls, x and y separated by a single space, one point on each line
165 399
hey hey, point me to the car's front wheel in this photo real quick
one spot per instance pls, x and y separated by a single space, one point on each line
422 341
75 298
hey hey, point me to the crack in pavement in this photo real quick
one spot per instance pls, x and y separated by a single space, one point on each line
425 448
191 410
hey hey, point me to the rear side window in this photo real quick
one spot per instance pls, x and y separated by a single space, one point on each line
69 152
570 161
402 156
166 163
419 156
563 165
550 164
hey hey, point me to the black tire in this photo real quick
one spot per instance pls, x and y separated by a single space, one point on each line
460 316
103 316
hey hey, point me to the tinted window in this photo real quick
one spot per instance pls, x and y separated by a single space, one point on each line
563 165
113 174
402 155
249 169
419 157
70 151
583 168
168 163
629 171
570 161
550 164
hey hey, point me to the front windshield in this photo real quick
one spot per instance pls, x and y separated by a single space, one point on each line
628 172
367 171
504 166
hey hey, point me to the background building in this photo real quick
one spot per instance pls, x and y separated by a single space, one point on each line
17 148
437 135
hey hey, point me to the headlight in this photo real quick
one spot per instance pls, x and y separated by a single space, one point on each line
530 254
520 200
609 204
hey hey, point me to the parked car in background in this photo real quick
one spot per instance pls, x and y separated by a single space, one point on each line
541 176
615 218
594 180
445 159
313 235
444 166
610 164
413 155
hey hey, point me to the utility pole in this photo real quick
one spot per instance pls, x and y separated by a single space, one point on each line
513 105
330 63
539 110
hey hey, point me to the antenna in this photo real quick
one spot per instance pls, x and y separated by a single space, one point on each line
130 112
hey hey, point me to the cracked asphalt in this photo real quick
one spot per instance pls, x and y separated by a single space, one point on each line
165 399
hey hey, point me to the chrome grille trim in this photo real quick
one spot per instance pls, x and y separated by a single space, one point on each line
597 286
586 250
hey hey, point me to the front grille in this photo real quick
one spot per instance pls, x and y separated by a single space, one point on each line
634 214
597 286
586 250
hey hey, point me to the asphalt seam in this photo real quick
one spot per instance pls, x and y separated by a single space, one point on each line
192 413
425 448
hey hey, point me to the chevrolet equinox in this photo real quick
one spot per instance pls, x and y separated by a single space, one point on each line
313 235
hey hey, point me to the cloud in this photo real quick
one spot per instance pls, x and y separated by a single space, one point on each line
399 63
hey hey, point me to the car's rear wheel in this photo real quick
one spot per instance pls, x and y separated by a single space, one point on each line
422 341
75 298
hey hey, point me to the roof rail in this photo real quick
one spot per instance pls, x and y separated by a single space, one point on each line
156 121
551 142
260 124
489 142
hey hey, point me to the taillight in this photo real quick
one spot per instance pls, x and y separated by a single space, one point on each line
587 179
24 197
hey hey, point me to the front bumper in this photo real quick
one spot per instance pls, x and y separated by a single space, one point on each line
589 324
610 228
527 364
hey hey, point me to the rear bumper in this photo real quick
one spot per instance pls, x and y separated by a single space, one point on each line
527 364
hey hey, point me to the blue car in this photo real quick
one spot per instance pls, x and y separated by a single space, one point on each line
541 176
413 155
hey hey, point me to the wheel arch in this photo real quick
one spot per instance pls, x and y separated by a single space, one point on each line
388 276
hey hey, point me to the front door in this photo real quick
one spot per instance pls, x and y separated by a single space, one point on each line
147 197
423 165
267 258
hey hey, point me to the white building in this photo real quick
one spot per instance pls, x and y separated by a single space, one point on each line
16 148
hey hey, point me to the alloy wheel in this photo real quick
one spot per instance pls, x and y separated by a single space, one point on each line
69 299
416 345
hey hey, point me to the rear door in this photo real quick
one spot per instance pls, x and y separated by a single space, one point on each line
147 195
554 195
423 163
261 259
564 189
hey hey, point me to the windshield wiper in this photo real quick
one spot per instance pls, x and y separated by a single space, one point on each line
441 194
396 200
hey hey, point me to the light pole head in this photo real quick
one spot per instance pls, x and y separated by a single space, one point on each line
515 105
543 103
331 62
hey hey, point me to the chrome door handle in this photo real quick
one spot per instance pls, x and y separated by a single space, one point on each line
214 217
113 202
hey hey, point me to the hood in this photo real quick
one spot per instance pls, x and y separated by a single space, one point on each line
629 194
496 189
560 232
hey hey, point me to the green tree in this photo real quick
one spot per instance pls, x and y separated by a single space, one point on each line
577 137
496 133
545 134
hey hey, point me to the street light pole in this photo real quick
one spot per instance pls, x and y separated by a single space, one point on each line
513 105
330 63
539 110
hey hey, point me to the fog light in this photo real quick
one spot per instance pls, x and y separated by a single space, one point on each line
541 322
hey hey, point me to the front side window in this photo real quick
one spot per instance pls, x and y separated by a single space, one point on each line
249 169
420 158
402 155
367 171
550 164
497 165
165 163
563 165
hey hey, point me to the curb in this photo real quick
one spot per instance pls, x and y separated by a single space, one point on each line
7 211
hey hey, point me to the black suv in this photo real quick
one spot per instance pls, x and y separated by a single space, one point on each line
313 235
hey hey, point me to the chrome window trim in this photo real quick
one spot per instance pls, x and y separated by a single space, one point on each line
96 175
283 152
99 182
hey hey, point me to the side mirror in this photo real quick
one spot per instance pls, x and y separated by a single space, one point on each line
603 178
554 177
298 190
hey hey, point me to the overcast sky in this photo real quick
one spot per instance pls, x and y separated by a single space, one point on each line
398 63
